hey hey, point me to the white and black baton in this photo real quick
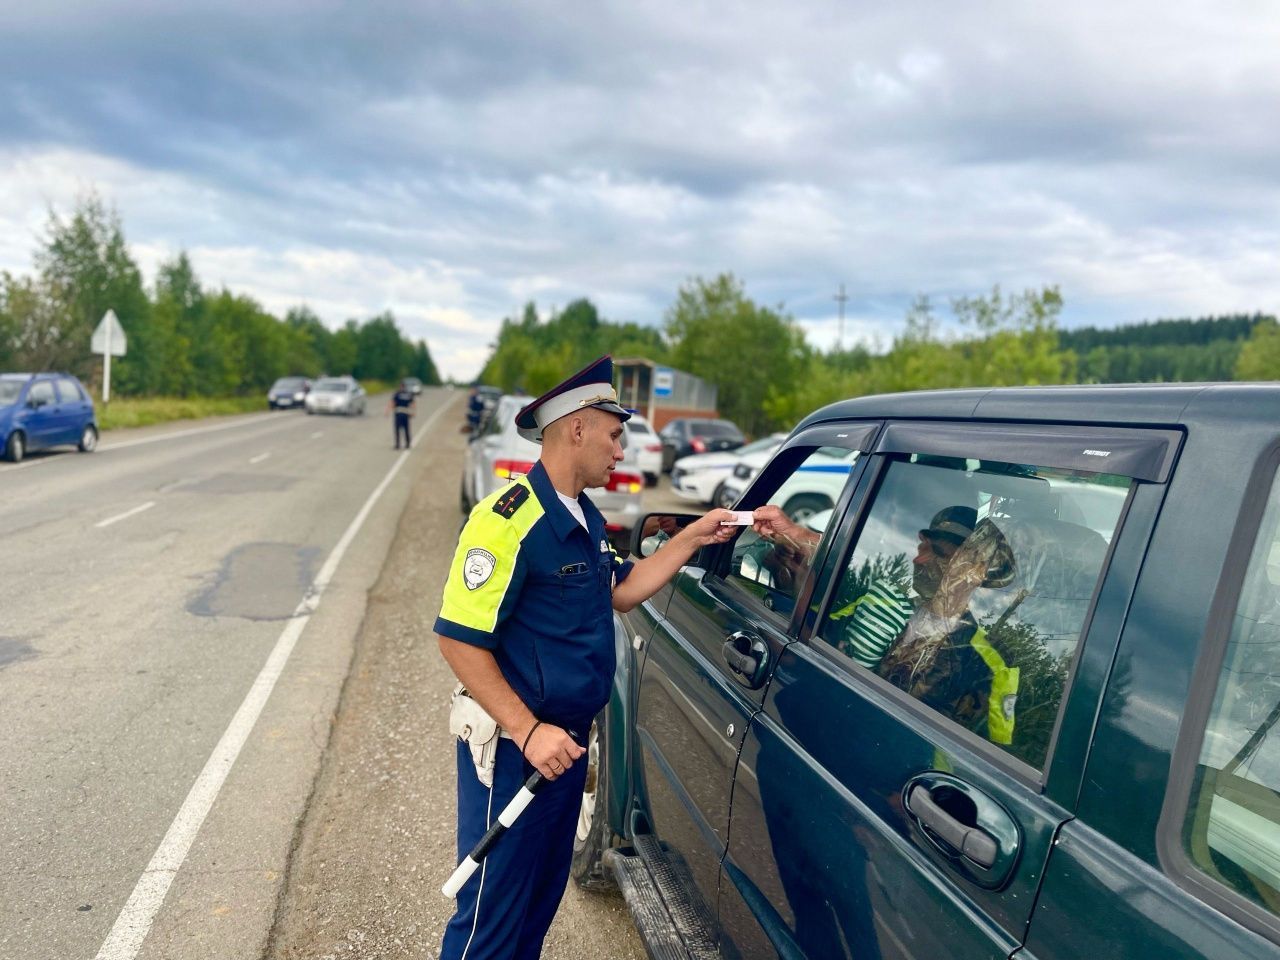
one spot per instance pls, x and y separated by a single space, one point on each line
491 836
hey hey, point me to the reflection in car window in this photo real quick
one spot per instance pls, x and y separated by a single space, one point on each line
775 566
968 589
9 390
1233 825
41 392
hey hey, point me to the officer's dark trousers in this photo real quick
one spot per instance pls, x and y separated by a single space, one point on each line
402 426
504 910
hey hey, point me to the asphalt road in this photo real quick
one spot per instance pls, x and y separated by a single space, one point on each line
179 615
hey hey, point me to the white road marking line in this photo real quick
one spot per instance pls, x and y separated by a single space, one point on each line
139 912
260 457
124 516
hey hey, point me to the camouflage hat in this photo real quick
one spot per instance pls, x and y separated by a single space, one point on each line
955 523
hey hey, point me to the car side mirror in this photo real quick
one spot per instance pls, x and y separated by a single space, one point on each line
655 529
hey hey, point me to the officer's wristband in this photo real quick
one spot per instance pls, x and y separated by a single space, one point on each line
530 736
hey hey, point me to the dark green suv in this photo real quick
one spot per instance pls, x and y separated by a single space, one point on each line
1013 695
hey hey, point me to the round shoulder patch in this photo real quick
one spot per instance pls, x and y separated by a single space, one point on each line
478 568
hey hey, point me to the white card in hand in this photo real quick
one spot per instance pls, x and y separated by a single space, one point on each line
741 518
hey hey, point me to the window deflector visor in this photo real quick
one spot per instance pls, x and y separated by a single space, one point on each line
1146 455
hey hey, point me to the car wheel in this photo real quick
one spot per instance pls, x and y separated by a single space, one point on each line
804 505
89 438
592 835
16 448
721 497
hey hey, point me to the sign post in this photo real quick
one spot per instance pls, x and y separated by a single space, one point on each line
109 340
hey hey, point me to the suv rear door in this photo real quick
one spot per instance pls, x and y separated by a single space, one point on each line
705 671
1175 849
898 794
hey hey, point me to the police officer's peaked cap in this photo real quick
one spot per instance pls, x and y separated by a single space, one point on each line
592 386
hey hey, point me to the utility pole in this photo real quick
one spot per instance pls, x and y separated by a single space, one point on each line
841 298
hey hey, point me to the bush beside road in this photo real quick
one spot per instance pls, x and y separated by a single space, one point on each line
145 411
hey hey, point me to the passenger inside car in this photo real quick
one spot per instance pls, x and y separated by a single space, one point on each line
988 645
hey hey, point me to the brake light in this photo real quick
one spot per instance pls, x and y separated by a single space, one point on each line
653 448
620 481
510 469
698 445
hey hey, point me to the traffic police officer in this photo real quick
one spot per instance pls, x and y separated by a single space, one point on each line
402 401
526 625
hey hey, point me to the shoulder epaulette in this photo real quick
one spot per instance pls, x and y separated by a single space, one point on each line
511 501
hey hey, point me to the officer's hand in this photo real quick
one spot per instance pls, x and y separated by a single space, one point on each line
708 528
551 751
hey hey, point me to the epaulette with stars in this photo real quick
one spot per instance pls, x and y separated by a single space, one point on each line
511 501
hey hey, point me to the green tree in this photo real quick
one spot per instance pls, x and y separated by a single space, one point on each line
381 353
1260 355
30 325
343 349
719 334
85 268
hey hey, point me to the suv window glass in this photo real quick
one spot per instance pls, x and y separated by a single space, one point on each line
68 392
968 588
1232 831
41 392
775 566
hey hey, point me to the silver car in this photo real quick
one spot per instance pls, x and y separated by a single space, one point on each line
497 454
336 395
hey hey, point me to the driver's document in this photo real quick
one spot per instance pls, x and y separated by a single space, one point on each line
741 518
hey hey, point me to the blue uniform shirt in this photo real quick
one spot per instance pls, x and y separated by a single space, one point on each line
403 399
530 584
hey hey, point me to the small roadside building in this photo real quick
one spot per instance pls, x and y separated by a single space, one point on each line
661 393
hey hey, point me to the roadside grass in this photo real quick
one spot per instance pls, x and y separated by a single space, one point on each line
143 411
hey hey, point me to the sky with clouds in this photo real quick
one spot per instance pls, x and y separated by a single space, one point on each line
451 161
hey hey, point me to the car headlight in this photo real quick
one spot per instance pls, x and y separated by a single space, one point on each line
299 396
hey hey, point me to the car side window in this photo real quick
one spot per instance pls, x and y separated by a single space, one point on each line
1232 829
69 392
41 392
968 587
774 565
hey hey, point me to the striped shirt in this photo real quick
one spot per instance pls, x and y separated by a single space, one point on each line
875 620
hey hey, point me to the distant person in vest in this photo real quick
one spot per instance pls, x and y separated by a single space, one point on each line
402 402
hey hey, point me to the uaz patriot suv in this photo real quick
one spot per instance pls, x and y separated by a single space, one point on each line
1015 694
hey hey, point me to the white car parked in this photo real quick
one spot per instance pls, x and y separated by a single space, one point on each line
498 453
701 477
814 487
648 448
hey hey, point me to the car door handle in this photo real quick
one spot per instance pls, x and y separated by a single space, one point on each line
747 657
975 844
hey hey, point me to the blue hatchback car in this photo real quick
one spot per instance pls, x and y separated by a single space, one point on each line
44 410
